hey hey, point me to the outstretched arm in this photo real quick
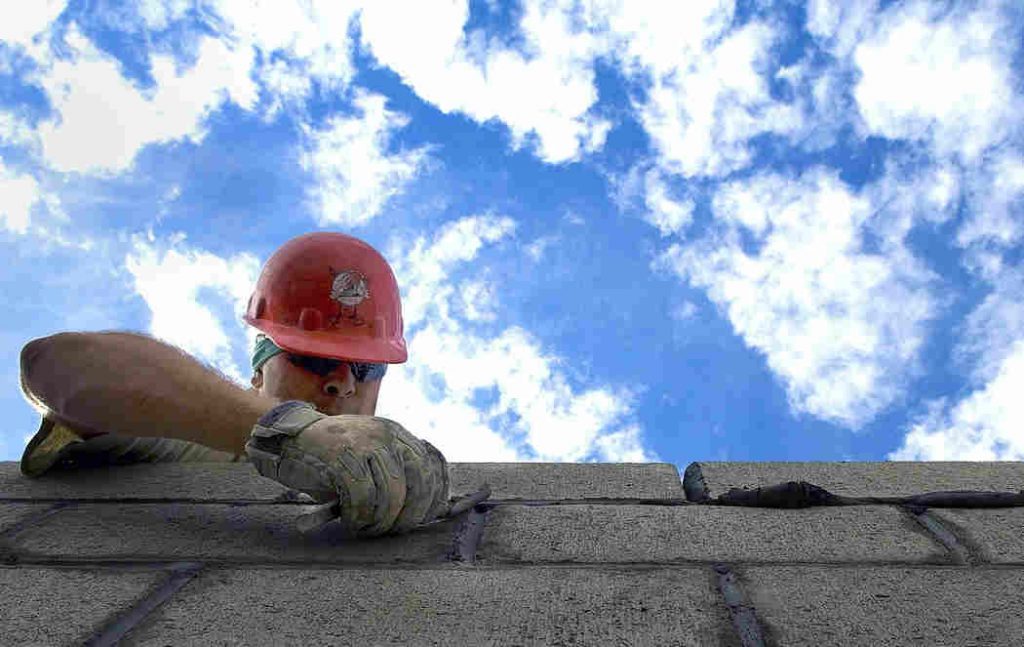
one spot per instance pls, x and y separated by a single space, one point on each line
134 385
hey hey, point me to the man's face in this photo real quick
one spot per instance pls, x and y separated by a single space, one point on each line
333 394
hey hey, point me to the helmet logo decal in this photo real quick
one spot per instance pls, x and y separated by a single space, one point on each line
349 288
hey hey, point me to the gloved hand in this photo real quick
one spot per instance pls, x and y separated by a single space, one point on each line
386 479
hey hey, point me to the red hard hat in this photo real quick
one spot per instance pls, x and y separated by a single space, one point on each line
330 295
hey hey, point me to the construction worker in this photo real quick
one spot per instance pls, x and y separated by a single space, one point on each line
330 321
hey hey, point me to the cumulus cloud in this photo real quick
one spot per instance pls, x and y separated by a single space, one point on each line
543 89
986 425
354 171
993 328
938 76
491 396
535 250
15 131
652 193
788 264
313 35
20 27
173 279
103 120
669 214
709 91
422 268
993 225
18 194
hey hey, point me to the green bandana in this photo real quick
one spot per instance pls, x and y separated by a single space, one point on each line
264 349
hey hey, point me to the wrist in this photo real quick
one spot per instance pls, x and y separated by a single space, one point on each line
270 417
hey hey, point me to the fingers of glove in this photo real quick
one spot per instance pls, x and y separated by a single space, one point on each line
355 488
420 483
442 489
389 479
306 473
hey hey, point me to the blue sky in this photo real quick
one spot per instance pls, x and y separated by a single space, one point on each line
623 231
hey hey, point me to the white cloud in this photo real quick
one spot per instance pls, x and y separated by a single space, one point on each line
993 328
684 311
160 14
355 174
997 198
668 214
104 120
625 446
986 425
708 91
477 300
545 89
18 194
787 263
988 422
840 26
20 25
536 249
422 270
170 281
946 80
529 409
15 131
305 41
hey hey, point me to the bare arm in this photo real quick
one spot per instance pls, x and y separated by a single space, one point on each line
134 385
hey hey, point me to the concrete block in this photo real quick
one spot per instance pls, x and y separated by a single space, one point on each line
888 478
862 605
570 480
995 535
449 606
214 532
46 606
224 482
13 513
636 533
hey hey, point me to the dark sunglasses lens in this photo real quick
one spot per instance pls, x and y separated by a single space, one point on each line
318 365
362 371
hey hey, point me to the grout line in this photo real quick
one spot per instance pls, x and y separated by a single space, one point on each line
467 536
150 563
34 518
957 550
180 575
294 501
492 503
743 618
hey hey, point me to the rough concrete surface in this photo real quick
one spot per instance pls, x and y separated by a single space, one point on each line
995 534
570 481
634 533
863 605
51 606
216 532
866 479
160 481
451 606
240 482
12 513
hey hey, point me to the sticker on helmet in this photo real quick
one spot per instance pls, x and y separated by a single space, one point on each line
349 288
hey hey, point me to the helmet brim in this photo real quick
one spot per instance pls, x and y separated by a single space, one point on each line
328 343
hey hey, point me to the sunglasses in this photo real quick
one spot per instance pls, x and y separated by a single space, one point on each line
322 366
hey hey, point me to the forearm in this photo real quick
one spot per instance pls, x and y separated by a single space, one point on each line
134 385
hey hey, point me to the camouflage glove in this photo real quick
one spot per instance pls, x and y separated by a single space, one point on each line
385 479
